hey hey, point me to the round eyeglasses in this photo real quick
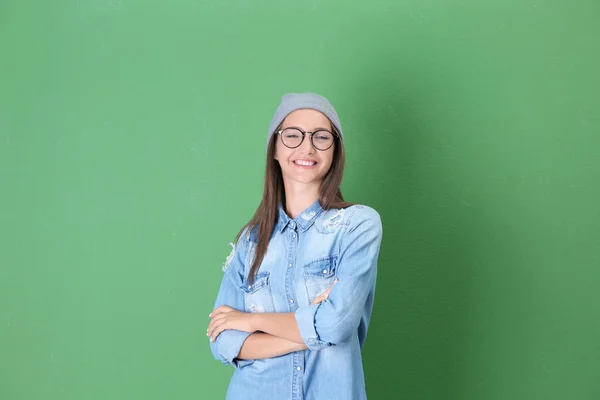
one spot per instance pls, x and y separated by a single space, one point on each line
321 139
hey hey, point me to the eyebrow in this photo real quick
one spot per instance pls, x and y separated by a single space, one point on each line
305 130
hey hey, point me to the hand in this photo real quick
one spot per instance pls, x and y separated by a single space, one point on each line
325 295
225 317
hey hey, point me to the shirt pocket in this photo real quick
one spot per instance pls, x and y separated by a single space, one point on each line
258 297
319 275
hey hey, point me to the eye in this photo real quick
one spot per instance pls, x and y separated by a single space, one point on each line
323 136
292 134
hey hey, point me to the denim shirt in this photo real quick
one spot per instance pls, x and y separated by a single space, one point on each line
304 257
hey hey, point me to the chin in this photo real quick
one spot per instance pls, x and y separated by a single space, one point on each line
316 179
303 179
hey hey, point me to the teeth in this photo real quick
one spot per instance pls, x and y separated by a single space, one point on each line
300 162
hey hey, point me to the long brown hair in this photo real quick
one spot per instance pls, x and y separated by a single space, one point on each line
266 215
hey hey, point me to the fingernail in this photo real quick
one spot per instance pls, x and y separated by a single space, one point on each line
210 315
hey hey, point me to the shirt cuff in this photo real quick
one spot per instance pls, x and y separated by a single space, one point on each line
229 343
305 318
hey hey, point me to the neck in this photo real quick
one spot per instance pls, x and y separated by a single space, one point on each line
299 197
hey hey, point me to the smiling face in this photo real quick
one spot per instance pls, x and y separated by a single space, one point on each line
304 164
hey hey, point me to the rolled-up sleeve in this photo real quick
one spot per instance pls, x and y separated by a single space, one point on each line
228 344
348 307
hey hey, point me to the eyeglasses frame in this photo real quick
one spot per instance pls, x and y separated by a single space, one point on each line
335 137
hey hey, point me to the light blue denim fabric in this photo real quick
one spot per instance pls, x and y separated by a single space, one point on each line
305 255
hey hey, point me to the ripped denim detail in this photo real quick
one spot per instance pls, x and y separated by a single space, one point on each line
229 258
332 224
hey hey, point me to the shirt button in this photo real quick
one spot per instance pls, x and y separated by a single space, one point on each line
298 368
293 235
290 265
324 271
291 301
293 224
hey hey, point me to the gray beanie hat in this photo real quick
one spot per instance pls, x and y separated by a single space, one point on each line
295 101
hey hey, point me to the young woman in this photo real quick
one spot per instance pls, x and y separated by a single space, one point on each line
295 301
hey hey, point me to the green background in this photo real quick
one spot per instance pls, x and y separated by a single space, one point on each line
132 139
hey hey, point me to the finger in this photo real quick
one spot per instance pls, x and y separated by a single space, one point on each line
218 316
215 320
217 332
332 285
321 297
317 300
220 309
325 294
329 288
215 326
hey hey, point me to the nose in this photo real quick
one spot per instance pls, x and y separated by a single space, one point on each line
306 146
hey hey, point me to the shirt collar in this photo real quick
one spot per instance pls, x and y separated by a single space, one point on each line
304 220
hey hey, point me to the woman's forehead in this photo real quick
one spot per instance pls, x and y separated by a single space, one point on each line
306 118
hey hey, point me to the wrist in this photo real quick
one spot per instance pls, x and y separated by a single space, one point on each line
254 321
